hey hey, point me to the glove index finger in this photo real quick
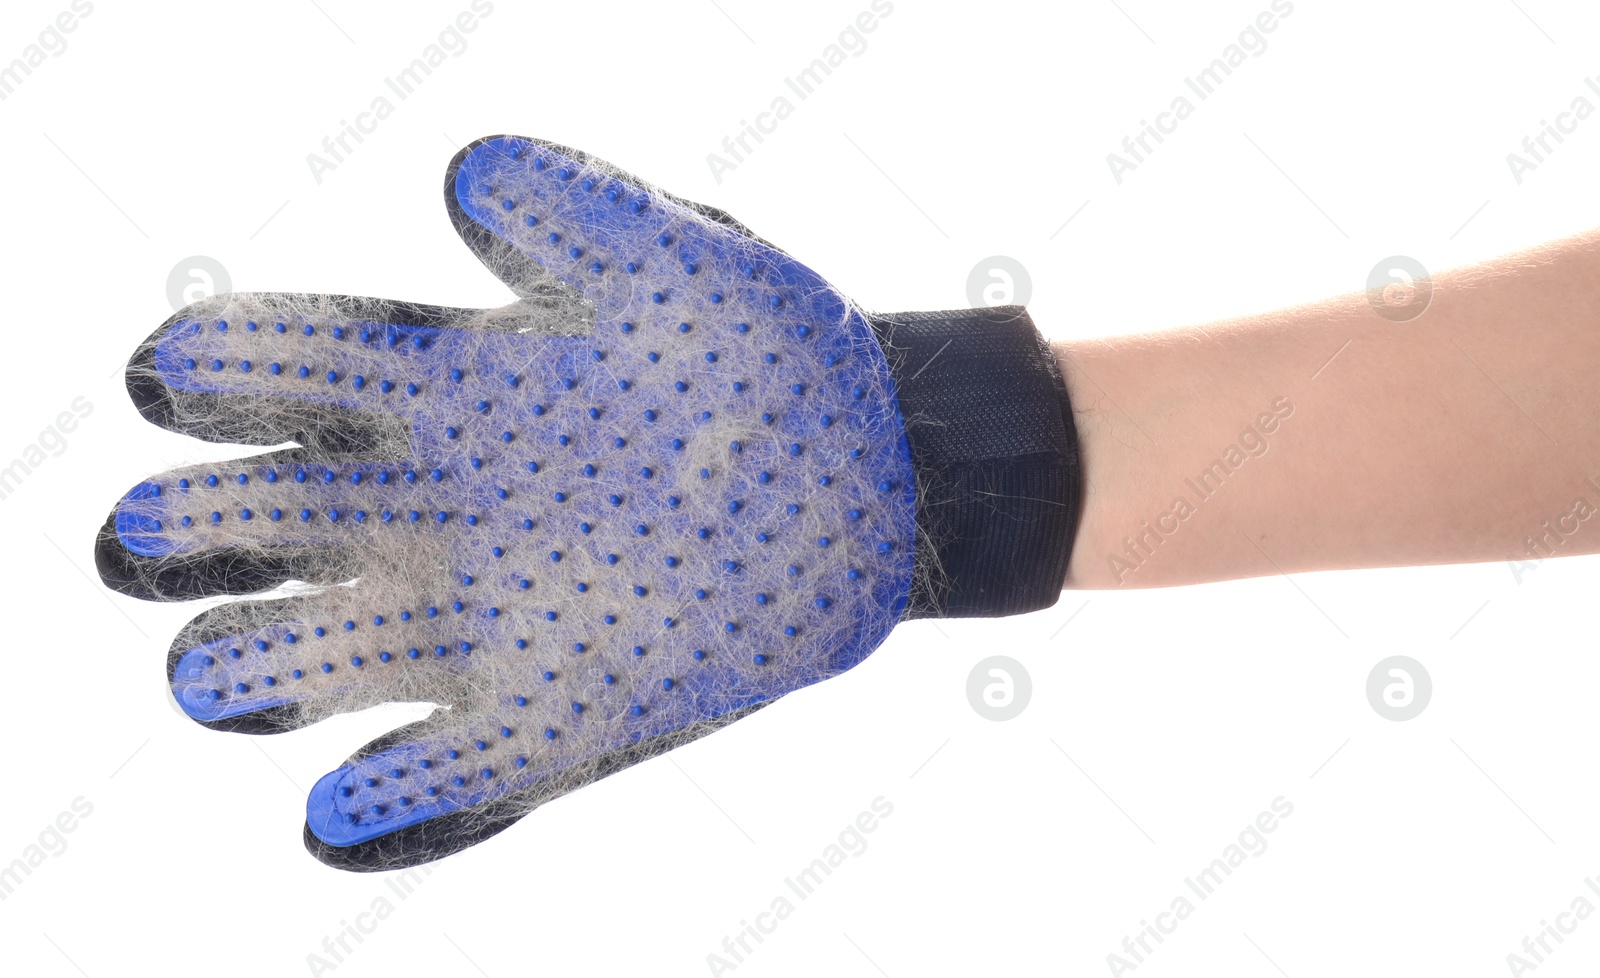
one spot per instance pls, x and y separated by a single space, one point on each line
548 220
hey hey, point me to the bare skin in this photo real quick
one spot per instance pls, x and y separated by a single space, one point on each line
1470 433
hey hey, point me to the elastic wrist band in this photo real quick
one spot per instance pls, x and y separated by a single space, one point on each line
995 455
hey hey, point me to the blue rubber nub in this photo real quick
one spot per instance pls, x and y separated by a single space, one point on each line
140 532
327 822
204 704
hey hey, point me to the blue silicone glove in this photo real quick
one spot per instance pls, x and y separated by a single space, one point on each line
669 483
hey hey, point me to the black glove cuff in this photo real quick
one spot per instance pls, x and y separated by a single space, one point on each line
995 455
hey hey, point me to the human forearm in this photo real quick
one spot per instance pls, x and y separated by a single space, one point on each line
1450 438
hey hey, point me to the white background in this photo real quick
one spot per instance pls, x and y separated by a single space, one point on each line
1161 722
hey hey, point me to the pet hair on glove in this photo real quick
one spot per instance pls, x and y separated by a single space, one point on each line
679 476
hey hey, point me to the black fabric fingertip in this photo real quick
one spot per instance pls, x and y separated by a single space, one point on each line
439 837
218 571
249 419
185 577
224 621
